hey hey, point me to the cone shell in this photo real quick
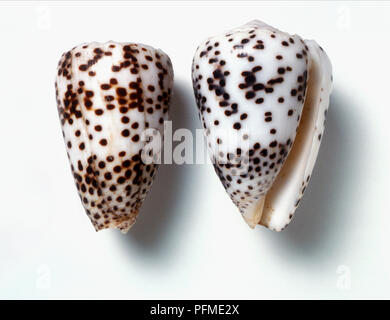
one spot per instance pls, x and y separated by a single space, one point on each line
107 95
263 128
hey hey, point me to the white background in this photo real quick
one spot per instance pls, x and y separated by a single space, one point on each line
189 240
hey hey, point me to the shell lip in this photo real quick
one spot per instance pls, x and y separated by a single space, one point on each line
295 173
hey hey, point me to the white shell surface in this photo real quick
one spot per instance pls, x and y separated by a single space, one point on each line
107 95
251 83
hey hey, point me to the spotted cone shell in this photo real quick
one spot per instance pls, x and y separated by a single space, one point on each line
107 95
262 96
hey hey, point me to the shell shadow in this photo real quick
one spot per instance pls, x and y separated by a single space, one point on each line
318 228
159 226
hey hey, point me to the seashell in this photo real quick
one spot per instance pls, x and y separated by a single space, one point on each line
107 95
262 96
